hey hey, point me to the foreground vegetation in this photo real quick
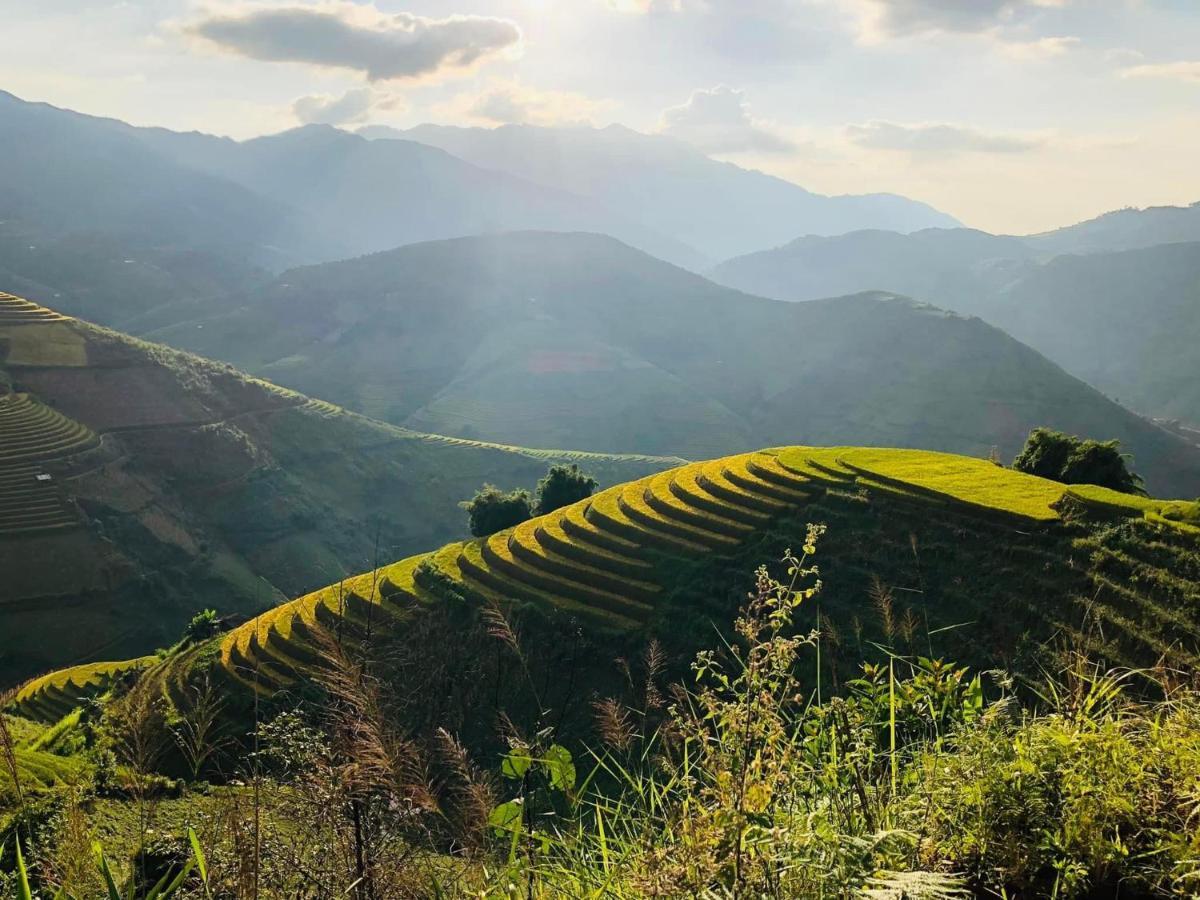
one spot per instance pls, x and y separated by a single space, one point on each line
431 727
752 778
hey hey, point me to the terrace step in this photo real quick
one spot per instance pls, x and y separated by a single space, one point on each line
769 469
662 499
474 568
633 503
607 514
498 554
553 536
691 487
577 523
737 481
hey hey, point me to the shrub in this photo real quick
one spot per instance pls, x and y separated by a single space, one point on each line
492 510
203 626
562 486
1072 460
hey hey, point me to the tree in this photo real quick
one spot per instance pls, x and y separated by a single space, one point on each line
1072 460
492 510
562 486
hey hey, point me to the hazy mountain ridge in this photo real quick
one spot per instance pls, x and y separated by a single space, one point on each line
1122 316
671 186
316 193
579 339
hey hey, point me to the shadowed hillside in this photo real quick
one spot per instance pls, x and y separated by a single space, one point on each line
578 340
667 556
1126 321
139 485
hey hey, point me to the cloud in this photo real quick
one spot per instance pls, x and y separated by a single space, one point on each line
898 18
358 37
352 108
513 103
645 6
1043 48
938 138
719 121
326 109
1185 70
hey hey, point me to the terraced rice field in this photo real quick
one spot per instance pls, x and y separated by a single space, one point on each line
32 435
596 559
593 559
49 698
18 311
38 770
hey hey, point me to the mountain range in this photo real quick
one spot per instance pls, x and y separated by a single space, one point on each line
1121 314
317 193
579 340
670 186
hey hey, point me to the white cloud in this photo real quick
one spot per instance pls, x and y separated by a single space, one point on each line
513 103
898 18
351 108
1043 48
938 138
645 6
1185 70
358 37
719 121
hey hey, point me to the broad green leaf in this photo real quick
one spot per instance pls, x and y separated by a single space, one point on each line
507 816
110 883
559 764
516 763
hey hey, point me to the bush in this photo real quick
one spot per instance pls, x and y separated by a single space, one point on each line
562 486
203 626
1071 460
492 510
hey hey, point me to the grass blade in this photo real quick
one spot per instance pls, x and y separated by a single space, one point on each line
23 891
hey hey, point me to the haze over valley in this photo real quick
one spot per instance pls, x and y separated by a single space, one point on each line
607 448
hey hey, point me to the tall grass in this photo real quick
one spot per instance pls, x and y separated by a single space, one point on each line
919 781
915 779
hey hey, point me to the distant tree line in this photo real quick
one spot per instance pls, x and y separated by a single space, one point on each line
492 509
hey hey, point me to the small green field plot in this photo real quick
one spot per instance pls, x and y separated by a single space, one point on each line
1180 514
52 696
36 771
974 481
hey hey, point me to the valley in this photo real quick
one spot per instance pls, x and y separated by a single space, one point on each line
139 485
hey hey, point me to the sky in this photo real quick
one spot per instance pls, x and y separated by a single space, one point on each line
1015 116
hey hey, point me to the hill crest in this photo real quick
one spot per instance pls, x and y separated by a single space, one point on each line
645 558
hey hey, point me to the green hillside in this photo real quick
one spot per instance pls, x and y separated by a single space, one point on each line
997 566
612 560
1126 321
578 340
926 553
139 485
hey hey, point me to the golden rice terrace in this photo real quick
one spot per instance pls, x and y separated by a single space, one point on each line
920 545
614 560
